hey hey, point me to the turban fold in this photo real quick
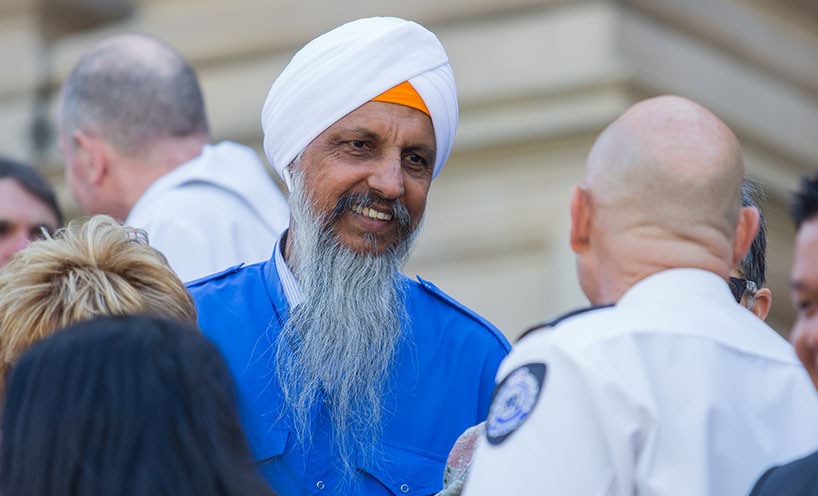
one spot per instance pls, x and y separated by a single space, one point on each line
341 70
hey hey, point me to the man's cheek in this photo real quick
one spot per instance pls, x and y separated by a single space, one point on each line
800 345
808 356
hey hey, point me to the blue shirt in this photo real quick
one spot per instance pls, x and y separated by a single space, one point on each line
441 384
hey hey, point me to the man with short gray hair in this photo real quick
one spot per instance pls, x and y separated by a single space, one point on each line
136 142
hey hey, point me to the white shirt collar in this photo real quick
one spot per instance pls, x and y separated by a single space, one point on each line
292 289
729 323
678 281
673 282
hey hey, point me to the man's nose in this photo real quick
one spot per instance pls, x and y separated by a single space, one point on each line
387 178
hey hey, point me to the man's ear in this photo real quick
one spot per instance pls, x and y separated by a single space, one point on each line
94 156
745 233
763 303
580 219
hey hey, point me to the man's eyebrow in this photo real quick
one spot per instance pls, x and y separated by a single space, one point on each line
358 132
799 285
422 149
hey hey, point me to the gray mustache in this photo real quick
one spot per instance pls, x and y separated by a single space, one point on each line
396 208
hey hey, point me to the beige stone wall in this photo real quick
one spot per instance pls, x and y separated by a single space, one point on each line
537 79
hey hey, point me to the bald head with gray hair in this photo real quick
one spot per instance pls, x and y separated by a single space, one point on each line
133 90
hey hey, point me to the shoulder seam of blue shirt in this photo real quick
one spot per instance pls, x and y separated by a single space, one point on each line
431 288
217 275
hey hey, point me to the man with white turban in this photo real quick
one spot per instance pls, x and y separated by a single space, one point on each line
352 378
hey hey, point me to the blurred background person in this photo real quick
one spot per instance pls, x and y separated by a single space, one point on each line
800 478
747 281
87 269
27 206
136 142
128 406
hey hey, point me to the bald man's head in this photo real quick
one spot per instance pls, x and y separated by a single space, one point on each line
662 190
668 162
132 90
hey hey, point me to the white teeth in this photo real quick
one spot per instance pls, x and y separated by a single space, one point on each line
370 212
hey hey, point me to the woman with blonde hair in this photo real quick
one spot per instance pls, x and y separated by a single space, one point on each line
89 268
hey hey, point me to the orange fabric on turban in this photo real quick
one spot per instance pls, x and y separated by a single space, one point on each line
403 94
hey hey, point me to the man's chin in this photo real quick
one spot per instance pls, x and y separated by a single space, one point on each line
368 244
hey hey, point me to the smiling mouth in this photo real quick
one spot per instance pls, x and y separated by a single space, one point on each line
370 213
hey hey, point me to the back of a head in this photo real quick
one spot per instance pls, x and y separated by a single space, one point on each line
133 90
35 184
667 168
87 269
125 406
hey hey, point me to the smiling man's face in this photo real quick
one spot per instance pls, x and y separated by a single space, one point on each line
804 293
365 168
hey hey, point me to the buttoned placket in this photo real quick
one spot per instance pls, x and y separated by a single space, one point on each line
321 478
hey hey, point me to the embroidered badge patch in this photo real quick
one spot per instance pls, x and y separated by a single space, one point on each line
514 399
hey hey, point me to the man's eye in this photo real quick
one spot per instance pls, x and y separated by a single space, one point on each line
416 160
358 144
805 305
5 228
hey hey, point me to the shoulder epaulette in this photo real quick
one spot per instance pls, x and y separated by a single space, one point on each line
217 275
437 292
555 321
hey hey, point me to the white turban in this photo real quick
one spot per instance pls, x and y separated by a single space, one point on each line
341 70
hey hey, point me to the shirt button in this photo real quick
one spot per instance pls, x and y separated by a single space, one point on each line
404 488
320 485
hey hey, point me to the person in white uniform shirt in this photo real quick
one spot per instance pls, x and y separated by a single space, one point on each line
136 142
673 388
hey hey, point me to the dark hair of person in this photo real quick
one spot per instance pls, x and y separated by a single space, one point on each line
126 406
804 204
754 264
33 182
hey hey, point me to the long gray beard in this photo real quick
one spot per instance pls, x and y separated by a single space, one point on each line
341 342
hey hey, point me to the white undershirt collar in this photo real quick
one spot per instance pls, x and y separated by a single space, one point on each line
292 289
